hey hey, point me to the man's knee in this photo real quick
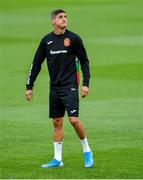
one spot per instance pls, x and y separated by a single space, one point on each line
74 120
58 122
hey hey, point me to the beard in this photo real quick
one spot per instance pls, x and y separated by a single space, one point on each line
63 26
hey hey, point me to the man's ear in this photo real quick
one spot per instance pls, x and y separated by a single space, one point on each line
53 20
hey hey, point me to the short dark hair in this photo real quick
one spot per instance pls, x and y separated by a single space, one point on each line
57 11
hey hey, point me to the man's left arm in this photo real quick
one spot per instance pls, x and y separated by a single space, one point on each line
84 62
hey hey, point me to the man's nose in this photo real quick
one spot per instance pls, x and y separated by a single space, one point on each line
64 18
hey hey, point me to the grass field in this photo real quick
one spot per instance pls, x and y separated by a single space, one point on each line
113 112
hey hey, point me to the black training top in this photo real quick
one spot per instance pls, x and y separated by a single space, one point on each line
61 52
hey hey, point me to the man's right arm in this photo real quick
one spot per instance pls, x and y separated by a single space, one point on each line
35 69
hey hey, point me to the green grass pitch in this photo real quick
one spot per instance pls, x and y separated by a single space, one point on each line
112 31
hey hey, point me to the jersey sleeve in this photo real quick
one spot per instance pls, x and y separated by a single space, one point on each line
84 62
36 65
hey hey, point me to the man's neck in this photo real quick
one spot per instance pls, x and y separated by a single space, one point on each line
59 31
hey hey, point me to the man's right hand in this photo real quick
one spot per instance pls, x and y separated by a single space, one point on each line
29 95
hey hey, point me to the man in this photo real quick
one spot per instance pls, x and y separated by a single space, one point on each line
62 49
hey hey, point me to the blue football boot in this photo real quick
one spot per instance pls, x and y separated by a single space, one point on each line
88 159
53 163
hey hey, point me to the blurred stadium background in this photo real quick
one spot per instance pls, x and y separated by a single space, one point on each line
112 31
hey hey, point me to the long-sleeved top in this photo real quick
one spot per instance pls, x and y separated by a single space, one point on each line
61 53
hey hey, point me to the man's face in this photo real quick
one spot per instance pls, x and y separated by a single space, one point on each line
60 20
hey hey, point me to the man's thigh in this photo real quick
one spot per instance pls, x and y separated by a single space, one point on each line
56 107
71 102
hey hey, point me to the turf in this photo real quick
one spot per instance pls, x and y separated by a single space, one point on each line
112 113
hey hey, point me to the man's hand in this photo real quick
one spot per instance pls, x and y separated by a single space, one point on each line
84 91
29 95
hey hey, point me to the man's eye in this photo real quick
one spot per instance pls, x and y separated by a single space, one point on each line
60 17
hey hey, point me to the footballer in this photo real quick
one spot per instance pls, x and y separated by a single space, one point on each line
63 51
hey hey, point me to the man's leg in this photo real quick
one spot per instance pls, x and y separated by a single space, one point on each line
57 138
79 128
58 129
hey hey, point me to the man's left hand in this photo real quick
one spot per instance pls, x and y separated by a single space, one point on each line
84 91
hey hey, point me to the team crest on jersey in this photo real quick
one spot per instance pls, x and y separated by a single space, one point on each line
66 42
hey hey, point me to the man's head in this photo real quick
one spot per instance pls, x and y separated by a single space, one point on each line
58 18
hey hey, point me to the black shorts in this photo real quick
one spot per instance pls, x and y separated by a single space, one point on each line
63 99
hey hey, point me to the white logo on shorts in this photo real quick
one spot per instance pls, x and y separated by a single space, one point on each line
73 89
73 111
